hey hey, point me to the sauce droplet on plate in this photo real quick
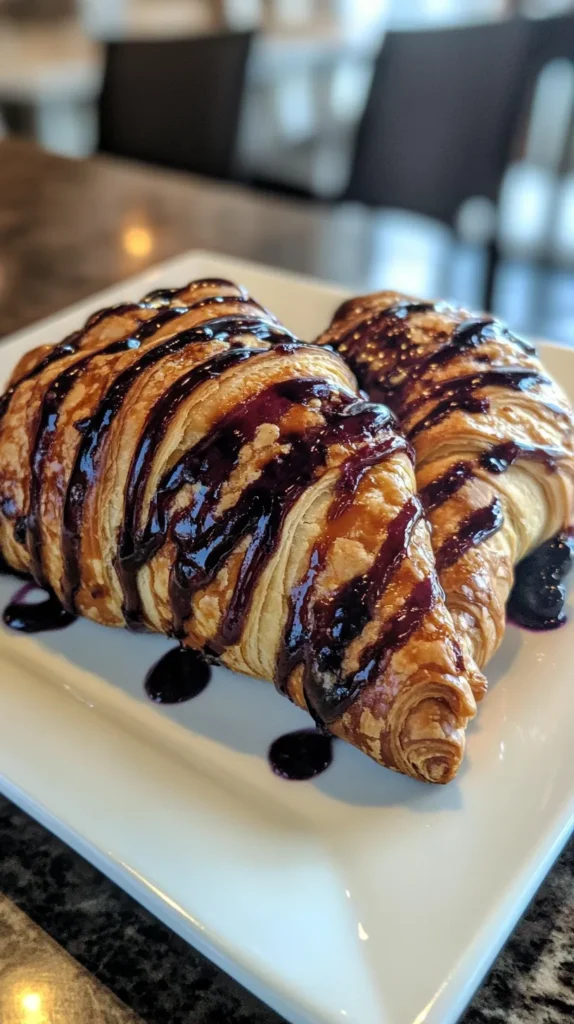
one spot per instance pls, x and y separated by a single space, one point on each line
301 755
38 616
538 596
180 675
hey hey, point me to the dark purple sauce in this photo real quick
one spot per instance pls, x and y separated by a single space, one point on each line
73 342
68 347
538 595
385 328
28 526
203 540
130 561
501 456
164 296
440 490
262 508
459 393
389 331
478 526
301 755
85 469
26 617
317 637
180 675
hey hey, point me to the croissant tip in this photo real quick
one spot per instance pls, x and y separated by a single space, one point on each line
441 769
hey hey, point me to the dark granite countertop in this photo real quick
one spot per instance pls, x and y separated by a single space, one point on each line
61 226
165 981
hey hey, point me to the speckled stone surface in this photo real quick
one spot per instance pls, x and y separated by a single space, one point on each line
150 969
41 984
165 981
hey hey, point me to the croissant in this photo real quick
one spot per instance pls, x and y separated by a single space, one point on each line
493 438
185 465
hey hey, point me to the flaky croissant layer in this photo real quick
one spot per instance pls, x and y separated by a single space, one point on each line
493 438
185 465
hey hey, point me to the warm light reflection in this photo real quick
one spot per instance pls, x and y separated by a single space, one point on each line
31 1002
137 241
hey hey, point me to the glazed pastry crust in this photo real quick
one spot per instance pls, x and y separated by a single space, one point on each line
535 493
412 712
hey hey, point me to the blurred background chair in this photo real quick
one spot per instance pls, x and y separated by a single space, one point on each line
441 117
175 103
441 121
439 125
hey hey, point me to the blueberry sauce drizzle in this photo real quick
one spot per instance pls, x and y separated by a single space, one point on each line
203 542
389 331
459 393
47 425
86 464
479 525
319 639
317 634
26 526
73 343
68 347
128 562
387 360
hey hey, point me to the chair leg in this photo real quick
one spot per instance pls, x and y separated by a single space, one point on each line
492 261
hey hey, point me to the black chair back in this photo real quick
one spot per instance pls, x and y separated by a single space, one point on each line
175 102
441 117
552 38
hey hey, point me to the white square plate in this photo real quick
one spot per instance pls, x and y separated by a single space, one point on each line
363 896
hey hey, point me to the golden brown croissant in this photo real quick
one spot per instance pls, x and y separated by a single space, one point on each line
493 438
185 465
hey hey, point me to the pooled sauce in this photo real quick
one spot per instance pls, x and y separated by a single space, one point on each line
28 617
179 675
301 755
538 595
